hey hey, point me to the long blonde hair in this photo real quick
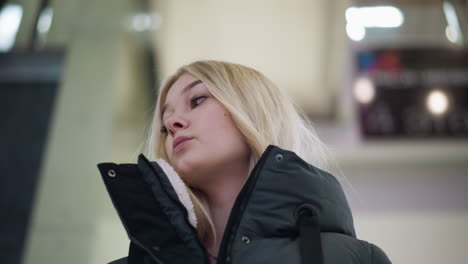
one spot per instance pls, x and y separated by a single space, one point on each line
262 112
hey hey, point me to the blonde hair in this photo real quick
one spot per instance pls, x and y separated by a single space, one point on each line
261 111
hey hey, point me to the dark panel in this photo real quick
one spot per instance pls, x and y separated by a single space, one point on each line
402 80
28 86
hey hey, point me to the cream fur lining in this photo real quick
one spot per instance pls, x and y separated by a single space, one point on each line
181 189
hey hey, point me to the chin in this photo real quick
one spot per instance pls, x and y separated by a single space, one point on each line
195 171
186 166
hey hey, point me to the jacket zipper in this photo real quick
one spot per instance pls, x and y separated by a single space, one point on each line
239 208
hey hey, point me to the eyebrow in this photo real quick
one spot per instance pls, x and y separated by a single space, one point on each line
186 88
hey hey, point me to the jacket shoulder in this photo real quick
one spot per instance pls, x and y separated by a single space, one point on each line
119 261
125 260
377 255
341 248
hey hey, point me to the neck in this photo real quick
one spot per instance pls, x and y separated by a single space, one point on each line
220 195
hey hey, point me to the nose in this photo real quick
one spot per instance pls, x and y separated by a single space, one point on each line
176 123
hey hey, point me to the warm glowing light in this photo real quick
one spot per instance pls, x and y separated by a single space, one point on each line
364 90
10 19
376 16
437 102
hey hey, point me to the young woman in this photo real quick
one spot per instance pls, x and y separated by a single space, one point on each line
237 176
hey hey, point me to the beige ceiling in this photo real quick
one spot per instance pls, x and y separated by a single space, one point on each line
299 44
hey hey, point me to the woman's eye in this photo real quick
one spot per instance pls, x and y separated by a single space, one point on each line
197 100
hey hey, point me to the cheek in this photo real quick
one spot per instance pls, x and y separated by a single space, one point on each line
229 125
227 131
168 147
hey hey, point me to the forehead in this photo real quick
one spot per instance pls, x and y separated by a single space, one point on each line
181 85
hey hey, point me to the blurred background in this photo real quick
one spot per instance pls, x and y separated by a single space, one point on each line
384 82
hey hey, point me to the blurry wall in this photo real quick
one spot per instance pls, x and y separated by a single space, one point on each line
299 44
409 197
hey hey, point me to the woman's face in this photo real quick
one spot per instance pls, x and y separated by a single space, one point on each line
210 141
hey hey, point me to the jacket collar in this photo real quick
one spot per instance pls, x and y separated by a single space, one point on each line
279 184
284 183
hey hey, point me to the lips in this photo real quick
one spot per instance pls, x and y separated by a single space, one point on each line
179 140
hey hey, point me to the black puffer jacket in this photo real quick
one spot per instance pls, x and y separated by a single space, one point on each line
287 212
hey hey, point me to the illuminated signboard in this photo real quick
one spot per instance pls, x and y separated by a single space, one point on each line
419 93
